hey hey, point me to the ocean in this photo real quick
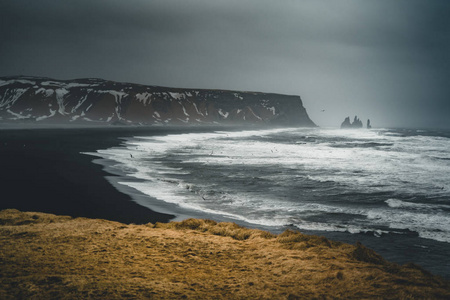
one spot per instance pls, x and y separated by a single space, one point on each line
388 188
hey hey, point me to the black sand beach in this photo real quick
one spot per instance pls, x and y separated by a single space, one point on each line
43 170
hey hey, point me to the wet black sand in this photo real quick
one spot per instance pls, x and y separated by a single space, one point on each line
43 170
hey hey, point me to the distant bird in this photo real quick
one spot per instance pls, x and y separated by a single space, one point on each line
322 110
131 155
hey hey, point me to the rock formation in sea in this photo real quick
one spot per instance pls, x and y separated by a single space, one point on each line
44 100
357 123
368 124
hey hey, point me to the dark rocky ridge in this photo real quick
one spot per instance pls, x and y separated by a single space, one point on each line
80 101
357 123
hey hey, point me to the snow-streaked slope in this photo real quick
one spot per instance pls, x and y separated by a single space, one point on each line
100 101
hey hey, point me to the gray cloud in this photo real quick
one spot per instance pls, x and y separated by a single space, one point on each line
387 60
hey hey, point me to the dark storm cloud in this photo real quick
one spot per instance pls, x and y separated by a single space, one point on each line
388 60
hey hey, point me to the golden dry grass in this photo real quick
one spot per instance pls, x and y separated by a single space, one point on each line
45 256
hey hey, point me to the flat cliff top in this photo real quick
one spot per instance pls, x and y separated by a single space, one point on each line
46 256
96 101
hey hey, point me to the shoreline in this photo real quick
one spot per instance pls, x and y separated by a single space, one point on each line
51 174
44 170
399 248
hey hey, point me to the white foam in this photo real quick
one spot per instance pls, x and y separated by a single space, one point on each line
427 225
316 226
396 203
343 165
344 160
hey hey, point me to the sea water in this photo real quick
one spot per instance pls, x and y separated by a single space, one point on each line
389 188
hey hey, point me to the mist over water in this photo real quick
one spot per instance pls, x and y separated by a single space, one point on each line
378 182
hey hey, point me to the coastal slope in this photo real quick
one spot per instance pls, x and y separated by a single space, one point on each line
97 101
60 257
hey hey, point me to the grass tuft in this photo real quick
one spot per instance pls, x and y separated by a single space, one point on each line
364 254
227 229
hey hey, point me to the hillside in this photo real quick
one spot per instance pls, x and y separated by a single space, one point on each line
45 256
97 101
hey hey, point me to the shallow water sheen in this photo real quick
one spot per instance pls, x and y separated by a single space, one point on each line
375 182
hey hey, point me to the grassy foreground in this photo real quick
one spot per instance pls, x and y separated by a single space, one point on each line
46 256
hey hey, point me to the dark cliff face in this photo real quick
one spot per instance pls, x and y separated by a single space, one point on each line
99 101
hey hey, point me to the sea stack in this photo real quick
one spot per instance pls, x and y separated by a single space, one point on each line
356 123
368 124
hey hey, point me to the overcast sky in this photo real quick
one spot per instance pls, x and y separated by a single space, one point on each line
387 60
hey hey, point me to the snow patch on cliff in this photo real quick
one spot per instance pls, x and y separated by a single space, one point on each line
177 96
237 95
184 121
196 108
253 113
184 110
60 93
110 118
223 114
16 93
6 82
46 92
18 116
143 97
272 109
117 95
80 102
76 84
54 83
52 113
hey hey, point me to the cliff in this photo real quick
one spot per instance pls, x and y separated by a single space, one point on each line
97 101
45 256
